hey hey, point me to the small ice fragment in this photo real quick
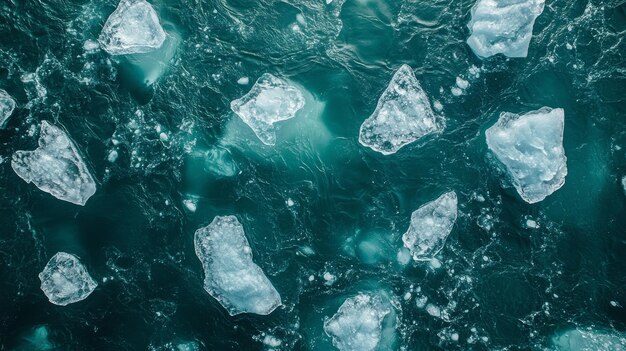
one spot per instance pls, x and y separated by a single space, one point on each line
530 146
311 278
300 19
190 204
112 157
532 224
231 276
272 341
433 310
430 226
289 202
243 81
456 91
624 183
55 167
403 115
7 105
270 100
329 278
420 301
403 256
65 280
90 45
454 337
435 263
438 106
462 83
163 136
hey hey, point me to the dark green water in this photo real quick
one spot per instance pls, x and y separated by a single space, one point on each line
501 285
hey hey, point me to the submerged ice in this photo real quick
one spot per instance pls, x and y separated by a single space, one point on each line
231 276
403 115
7 105
589 340
430 226
270 100
55 167
530 146
503 27
65 280
133 28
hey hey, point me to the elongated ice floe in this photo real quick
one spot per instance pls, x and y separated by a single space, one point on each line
530 146
270 100
133 28
65 280
589 340
231 276
55 167
503 26
7 105
403 115
430 226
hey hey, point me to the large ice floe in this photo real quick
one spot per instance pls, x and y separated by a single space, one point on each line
430 226
589 340
55 167
503 26
133 28
403 115
7 105
231 276
530 146
270 100
359 324
65 280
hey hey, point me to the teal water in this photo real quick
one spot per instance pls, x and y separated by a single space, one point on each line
502 285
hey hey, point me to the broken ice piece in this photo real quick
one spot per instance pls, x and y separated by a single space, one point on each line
231 276
530 146
430 226
403 115
55 167
270 100
65 280
7 105
133 28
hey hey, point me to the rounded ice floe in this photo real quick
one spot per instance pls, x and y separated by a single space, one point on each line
589 340
65 280
530 146
55 167
270 100
133 28
430 226
7 105
503 26
403 115
231 276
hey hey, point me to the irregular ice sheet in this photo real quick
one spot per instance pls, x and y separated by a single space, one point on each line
133 28
530 146
65 280
270 100
503 26
231 276
403 115
7 105
430 226
358 324
589 340
55 167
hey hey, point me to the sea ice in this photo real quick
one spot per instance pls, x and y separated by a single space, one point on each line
358 324
503 26
430 226
65 280
624 183
589 340
270 100
403 115
7 105
231 276
530 146
133 28
55 167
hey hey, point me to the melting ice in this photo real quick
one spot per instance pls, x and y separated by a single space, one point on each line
7 105
65 280
589 340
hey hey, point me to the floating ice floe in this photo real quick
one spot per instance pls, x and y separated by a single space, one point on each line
133 28
358 324
503 27
403 115
55 167
7 105
65 280
430 226
530 146
270 100
624 183
231 276
589 340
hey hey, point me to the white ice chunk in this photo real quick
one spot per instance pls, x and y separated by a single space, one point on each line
530 146
7 105
403 115
430 226
589 340
55 167
133 28
358 324
65 280
270 100
624 183
231 276
503 26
